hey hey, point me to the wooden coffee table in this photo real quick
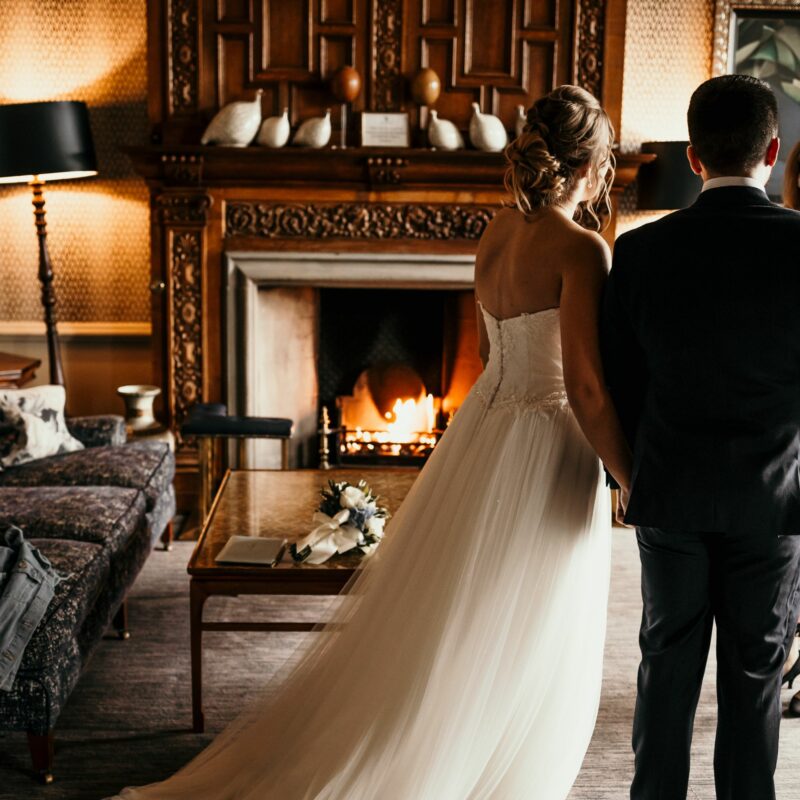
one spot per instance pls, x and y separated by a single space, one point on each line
280 504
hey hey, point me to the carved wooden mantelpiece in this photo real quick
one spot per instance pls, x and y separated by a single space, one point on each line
354 168
205 201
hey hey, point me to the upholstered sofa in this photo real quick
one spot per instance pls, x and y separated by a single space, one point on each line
95 514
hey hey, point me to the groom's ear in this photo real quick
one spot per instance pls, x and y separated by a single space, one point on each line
694 161
772 152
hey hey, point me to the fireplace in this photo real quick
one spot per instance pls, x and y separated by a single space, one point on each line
385 369
386 344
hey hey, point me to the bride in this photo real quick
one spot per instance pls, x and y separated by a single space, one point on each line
467 657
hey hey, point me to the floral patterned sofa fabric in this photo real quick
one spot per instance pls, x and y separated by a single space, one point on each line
53 660
162 513
104 515
96 514
86 566
36 701
98 431
148 466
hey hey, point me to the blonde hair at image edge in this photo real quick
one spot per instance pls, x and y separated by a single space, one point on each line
565 130
791 189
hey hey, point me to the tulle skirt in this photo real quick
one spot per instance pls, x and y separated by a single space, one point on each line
466 661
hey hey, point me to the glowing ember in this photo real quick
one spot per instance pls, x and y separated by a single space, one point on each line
411 419
409 430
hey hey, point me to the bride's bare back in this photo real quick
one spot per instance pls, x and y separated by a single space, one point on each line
519 262
522 262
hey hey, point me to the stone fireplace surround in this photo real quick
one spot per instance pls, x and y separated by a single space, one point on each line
271 327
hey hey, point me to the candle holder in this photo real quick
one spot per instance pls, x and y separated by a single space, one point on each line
346 86
425 90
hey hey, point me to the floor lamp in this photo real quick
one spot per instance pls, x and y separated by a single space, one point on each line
42 142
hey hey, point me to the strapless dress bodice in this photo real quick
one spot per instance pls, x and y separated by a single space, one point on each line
525 368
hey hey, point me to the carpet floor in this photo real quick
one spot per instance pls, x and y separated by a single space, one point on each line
128 720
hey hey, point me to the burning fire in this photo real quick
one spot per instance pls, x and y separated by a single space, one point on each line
376 426
411 417
410 429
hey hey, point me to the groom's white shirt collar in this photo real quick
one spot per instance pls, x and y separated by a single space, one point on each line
733 180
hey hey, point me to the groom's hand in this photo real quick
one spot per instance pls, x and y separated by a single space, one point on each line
623 495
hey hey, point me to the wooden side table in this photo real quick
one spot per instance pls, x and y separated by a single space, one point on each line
16 371
275 503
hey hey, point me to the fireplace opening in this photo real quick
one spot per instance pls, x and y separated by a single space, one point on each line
394 365
391 337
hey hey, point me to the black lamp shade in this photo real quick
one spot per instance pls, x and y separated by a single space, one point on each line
48 140
668 182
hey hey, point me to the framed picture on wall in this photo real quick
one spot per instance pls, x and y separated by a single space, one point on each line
763 39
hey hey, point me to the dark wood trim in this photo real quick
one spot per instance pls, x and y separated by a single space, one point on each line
416 170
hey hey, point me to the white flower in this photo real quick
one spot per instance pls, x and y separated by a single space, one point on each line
352 497
375 526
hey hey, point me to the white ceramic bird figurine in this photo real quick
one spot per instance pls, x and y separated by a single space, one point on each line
521 120
275 131
314 132
486 132
235 125
443 134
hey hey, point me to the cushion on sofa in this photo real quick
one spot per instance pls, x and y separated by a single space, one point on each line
37 417
105 515
98 430
148 466
86 567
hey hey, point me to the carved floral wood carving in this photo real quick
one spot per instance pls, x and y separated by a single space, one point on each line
356 220
183 55
184 216
387 81
186 346
182 208
590 30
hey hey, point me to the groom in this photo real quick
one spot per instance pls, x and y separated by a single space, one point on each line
701 340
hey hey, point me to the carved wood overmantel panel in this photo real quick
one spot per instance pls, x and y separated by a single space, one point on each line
499 53
205 53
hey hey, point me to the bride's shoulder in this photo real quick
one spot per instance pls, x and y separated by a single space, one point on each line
586 251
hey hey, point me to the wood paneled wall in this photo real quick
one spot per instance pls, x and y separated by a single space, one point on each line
499 53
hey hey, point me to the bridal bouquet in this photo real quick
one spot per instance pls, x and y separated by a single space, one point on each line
348 518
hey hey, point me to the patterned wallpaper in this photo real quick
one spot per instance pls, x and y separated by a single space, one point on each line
668 46
98 228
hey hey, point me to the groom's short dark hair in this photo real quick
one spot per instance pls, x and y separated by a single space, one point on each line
732 120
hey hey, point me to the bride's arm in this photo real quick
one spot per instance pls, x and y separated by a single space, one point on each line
583 278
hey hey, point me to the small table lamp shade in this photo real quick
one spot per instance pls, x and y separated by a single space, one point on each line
667 183
50 141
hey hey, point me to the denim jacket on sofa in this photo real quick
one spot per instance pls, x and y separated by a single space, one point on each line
27 585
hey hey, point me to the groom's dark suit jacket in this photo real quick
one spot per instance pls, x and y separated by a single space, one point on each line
701 346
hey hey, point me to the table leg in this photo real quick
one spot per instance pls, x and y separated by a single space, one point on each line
197 599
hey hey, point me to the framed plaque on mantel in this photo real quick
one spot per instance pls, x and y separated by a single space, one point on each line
379 129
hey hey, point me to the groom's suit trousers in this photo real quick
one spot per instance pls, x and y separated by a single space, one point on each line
749 585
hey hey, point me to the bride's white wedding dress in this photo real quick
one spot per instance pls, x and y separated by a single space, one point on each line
469 663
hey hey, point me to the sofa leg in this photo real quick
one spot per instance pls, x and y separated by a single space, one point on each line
41 747
168 537
120 621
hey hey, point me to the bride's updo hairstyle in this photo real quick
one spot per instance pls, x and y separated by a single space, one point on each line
565 131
